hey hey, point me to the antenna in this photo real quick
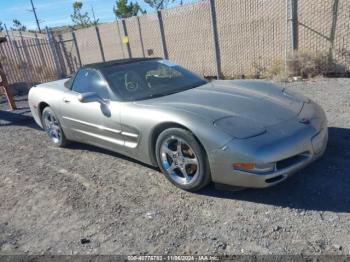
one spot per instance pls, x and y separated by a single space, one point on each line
36 17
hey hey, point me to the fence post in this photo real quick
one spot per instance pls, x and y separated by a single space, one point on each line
140 35
162 34
54 53
293 6
76 47
9 38
16 52
333 30
126 34
100 43
39 49
29 59
214 30
120 37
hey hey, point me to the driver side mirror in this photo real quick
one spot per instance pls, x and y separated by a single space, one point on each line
91 97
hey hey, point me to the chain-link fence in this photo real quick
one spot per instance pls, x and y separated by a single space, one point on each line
215 38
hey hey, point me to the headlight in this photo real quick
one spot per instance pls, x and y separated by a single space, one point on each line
296 95
239 127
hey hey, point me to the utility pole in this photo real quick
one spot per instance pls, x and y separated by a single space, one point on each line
93 15
36 17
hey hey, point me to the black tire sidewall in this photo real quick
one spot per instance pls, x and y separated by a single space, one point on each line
63 141
204 171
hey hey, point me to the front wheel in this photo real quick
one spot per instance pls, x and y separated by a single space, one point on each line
53 127
182 159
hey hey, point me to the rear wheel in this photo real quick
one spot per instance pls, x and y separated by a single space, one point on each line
182 159
53 127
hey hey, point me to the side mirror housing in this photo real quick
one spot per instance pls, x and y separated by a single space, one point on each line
91 97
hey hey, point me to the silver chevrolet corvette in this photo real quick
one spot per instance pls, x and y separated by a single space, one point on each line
240 133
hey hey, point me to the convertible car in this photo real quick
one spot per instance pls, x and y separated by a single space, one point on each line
240 133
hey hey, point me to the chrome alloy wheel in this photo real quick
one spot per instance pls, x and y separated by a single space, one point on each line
179 160
52 127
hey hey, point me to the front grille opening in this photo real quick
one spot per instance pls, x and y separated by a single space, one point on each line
285 163
274 179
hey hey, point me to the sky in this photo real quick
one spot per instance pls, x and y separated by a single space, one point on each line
53 13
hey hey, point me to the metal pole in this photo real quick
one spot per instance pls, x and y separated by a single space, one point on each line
126 34
25 76
39 49
54 53
333 31
8 36
16 53
100 43
140 35
286 39
162 34
120 38
29 59
215 39
76 48
294 24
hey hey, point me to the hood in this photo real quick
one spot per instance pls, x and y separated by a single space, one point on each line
259 101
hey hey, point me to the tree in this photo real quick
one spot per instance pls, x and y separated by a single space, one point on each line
123 9
159 4
1 27
80 19
17 26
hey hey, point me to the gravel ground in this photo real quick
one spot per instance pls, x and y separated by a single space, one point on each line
85 200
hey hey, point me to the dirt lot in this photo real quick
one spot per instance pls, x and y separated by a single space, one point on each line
84 200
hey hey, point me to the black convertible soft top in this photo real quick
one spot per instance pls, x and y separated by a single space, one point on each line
118 62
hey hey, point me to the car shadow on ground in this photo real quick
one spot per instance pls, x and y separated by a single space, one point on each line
19 117
323 186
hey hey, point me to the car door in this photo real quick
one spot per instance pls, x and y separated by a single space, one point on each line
95 123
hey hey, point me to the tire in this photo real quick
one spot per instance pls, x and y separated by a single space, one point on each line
186 166
53 127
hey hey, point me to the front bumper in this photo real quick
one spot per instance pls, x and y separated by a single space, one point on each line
292 146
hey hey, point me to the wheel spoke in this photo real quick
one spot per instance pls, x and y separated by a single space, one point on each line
190 161
184 172
171 168
179 147
56 127
165 149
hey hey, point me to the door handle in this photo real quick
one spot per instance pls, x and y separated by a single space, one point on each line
66 100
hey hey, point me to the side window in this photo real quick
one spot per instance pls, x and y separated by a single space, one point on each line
90 81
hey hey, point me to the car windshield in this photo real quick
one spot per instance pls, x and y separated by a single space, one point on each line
149 79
